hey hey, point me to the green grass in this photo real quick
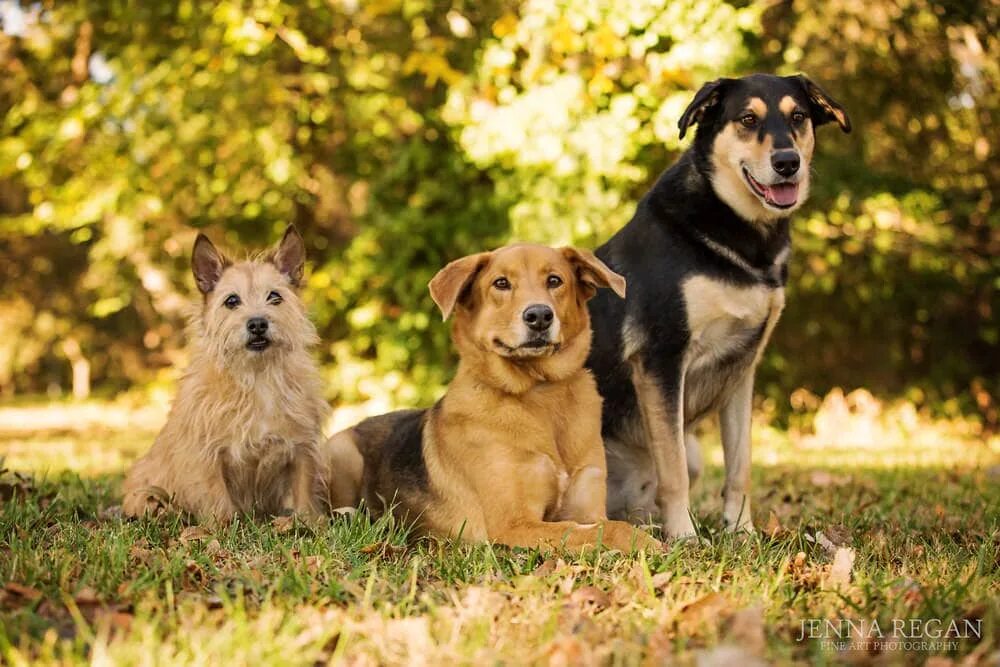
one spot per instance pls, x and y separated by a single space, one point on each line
919 505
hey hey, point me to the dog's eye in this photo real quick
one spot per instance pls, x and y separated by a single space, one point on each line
501 284
798 117
554 281
232 301
274 298
749 120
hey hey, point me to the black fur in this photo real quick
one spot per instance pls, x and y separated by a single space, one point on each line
677 232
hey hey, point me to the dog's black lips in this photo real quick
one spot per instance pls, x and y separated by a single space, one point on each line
535 344
759 190
258 343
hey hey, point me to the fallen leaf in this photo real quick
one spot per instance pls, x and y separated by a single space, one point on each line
283 524
697 613
86 596
773 526
843 563
26 593
799 562
373 547
591 598
193 534
825 542
661 579
314 563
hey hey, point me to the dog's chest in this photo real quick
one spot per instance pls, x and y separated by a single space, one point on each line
728 326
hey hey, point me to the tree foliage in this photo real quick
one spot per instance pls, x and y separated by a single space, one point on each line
400 134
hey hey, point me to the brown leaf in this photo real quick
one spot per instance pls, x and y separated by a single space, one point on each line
314 563
773 527
119 620
193 534
86 596
707 607
374 547
661 579
22 592
591 598
283 524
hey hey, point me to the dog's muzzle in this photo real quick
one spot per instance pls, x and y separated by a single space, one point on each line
257 334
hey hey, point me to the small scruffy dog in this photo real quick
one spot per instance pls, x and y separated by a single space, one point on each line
243 432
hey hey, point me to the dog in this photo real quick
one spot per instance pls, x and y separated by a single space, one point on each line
243 434
706 260
512 453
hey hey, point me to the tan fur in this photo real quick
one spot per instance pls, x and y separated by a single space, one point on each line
243 432
513 451
735 147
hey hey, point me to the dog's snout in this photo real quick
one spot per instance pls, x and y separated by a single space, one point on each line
785 163
257 326
538 317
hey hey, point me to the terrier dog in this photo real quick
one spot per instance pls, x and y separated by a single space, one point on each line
243 432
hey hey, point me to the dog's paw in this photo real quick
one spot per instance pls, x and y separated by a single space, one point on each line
743 526
679 527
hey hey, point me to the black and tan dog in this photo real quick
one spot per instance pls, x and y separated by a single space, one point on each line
706 258
512 453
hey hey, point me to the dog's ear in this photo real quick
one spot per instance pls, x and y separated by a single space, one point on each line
207 264
593 273
290 256
822 107
704 100
450 283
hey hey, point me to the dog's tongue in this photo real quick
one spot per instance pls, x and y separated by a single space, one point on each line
782 194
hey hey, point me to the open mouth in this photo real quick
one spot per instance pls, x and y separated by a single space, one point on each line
258 343
778 195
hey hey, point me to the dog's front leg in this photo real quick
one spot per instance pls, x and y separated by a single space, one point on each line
661 405
306 483
735 420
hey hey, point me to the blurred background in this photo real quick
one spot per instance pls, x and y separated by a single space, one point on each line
398 135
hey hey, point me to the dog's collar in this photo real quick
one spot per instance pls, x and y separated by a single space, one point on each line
772 275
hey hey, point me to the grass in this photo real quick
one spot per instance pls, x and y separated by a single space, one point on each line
916 503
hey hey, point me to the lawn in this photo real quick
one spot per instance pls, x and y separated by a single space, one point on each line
873 519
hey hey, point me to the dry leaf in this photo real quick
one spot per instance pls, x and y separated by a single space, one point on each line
697 613
843 563
661 579
86 596
773 526
283 524
193 534
25 593
591 598
825 542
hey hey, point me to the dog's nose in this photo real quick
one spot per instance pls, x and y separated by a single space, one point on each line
785 163
538 317
257 326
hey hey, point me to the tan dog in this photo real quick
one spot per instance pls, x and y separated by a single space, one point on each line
513 452
243 433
